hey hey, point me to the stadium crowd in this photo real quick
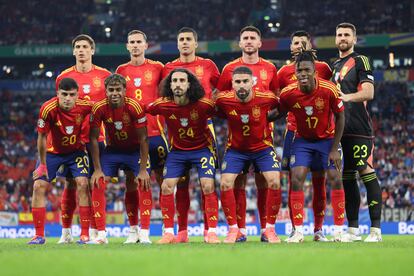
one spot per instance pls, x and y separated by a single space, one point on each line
23 22
394 158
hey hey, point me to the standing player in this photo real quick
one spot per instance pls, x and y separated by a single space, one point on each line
264 79
61 118
90 79
208 74
250 141
301 40
127 147
320 122
353 76
186 112
142 79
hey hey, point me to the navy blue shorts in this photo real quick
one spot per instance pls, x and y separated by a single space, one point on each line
235 161
287 145
180 161
112 160
311 154
158 151
76 164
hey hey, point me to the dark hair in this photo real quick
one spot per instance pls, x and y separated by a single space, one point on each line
250 29
68 84
137 32
347 25
301 33
188 30
83 37
305 56
242 70
195 91
115 79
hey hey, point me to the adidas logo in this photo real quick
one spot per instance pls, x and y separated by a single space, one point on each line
165 216
213 218
130 214
373 203
297 105
84 171
360 163
97 215
298 216
233 112
146 213
109 120
172 117
209 172
58 123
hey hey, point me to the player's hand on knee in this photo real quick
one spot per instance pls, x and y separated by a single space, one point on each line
143 179
40 171
97 174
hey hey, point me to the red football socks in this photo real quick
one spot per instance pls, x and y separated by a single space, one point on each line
261 206
319 201
131 206
145 207
39 215
99 205
240 197
273 201
68 207
182 198
297 202
168 210
338 206
229 206
84 219
211 209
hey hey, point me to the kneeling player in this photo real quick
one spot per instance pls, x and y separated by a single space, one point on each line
249 141
127 148
61 118
186 112
320 119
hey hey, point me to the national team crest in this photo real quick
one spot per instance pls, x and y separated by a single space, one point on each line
118 125
309 110
41 123
244 118
256 112
137 82
69 129
148 76
86 88
199 71
194 115
263 74
292 159
223 166
184 122
126 119
78 119
319 103
97 82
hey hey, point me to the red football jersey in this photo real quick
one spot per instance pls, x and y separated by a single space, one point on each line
264 75
248 127
91 88
142 85
63 127
286 76
314 112
187 125
120 123
203 68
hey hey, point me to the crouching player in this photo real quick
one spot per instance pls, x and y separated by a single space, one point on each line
249 141
186 113
61 117
127 148
320 120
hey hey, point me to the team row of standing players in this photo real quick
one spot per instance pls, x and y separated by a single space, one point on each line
252 84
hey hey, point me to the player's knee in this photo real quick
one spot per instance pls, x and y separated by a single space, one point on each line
166 188
335 179
226 184
39 187
297 182
208 187
273 183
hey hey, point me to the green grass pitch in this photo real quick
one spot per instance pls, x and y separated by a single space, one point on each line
394 256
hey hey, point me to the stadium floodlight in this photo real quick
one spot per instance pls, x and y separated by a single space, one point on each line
270 25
